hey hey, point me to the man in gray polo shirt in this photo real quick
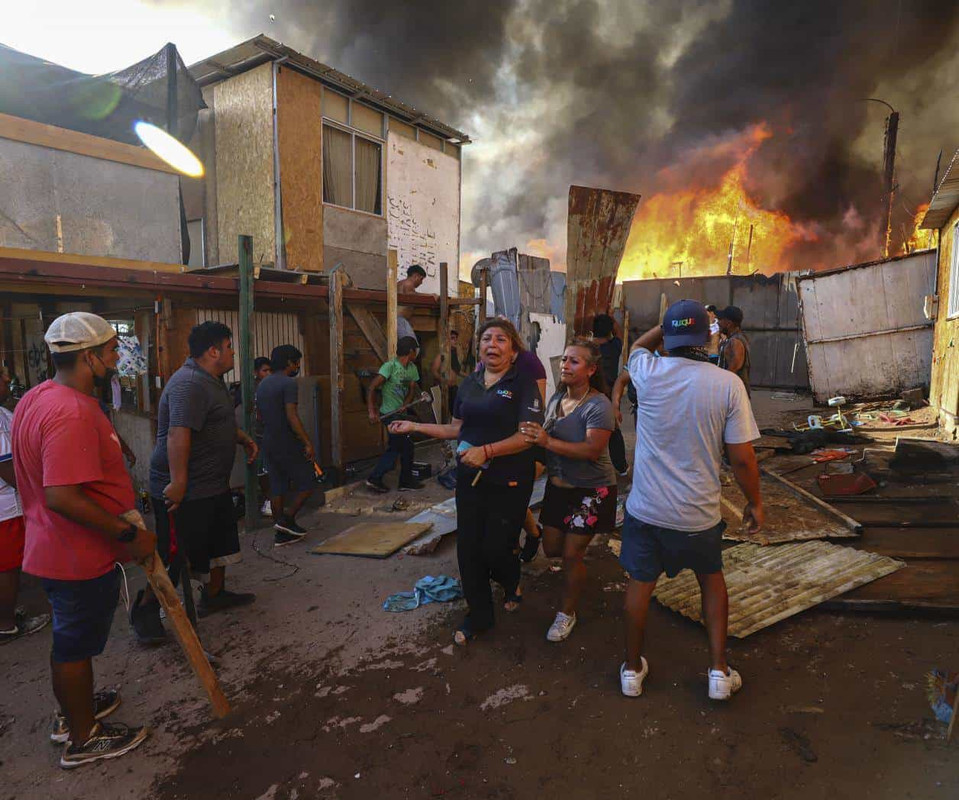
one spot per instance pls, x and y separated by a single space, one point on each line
689 412
190 475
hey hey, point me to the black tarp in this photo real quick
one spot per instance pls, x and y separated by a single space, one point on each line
103 105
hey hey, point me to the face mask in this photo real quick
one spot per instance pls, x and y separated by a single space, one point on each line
103 381
294 373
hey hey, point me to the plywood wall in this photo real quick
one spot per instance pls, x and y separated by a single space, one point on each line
944 391
244 164
300 134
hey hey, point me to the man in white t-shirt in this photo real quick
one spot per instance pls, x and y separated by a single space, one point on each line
689 412
12 533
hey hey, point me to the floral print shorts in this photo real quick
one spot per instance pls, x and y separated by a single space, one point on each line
583 511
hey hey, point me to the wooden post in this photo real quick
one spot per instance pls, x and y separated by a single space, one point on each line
444 343
391 279
337 283
245 246
888 181
481 317
166 594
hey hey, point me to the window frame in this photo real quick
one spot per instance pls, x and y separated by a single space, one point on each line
354 133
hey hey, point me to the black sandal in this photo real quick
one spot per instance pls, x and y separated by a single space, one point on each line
531 545
516 599
463 635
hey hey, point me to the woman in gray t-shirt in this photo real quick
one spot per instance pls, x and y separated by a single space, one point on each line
580 498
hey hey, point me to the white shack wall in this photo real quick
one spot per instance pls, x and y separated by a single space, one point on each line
423 209
865 331
104 208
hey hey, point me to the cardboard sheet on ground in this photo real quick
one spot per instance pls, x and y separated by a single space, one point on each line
788 517
768 584
372 539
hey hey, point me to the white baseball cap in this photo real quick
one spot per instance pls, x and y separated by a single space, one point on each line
77 330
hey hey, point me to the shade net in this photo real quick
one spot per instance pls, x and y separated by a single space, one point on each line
103 105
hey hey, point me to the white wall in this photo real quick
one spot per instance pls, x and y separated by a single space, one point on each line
552 342
423 209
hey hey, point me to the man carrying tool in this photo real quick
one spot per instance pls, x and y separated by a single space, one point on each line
734 351
190 477
75 491
13 623
688 413
287 450
397 379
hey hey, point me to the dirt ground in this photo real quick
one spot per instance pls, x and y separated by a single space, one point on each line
333 697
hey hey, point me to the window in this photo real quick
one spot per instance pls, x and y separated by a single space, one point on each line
352 171
954 274
131 364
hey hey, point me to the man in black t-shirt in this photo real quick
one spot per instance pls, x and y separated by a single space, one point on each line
611 351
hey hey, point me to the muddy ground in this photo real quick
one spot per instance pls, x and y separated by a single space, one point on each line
333 697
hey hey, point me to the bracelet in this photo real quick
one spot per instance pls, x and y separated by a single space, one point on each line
488 452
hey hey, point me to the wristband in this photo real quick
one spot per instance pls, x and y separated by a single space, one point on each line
488 452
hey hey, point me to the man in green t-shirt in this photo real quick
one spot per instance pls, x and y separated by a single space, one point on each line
397 381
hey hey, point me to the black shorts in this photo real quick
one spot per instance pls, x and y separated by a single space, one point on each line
204 531
82 615
582 511
289 473
649 550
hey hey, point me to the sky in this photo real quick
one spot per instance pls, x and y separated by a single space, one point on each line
648 96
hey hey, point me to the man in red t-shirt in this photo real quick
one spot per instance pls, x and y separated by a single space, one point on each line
75 488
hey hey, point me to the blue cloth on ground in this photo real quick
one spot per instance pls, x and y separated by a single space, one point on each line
441 589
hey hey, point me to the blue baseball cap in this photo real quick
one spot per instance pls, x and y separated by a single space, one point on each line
685 324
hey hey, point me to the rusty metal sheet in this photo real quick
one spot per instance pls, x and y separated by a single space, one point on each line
769 584
596 230
788 517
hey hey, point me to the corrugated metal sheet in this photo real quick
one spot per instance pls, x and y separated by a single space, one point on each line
269 331
865 331
596 230
770 318
769 584
946 198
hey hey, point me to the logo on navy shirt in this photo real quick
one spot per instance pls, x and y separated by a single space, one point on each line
505 393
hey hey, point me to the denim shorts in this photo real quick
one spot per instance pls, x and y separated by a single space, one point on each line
649 550
82 615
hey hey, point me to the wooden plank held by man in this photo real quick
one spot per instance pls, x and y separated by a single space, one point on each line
186 634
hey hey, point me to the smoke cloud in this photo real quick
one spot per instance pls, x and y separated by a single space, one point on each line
629 95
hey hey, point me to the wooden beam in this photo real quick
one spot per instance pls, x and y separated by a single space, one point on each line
337 367
392 267
444 331
49 257
26 130
371 329
245 246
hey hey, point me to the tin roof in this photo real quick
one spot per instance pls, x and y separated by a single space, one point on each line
946 198
262 49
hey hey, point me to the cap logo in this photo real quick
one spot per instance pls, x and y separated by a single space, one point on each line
683 323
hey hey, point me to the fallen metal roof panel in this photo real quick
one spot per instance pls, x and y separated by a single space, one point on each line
946 198
769 584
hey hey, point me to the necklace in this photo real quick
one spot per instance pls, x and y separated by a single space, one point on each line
579 402
486 379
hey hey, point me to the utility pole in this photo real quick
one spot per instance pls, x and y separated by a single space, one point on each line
888 181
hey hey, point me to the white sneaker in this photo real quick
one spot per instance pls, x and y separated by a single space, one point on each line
265 509
562 627
723 686
630 681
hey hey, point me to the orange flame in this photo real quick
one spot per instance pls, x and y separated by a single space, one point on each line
919 239
690 231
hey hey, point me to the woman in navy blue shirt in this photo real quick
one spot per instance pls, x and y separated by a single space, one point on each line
495 475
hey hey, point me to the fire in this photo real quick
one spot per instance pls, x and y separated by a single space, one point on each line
919 239
690 231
